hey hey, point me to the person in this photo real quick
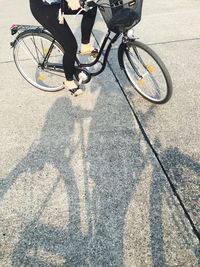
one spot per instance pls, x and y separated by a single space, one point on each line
46 13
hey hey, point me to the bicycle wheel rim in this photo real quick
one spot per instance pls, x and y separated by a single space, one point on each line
29 53
147 73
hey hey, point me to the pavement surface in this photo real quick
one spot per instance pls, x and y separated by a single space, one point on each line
80 184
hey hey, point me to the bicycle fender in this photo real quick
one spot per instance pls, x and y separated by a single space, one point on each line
35 30
121 49
120 55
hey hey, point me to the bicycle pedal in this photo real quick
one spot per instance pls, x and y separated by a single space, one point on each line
94 53
76 92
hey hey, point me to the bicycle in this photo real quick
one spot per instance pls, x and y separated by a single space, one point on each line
38 56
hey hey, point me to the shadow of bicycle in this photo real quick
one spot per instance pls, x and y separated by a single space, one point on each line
86 183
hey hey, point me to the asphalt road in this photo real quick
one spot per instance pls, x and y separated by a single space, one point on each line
80 185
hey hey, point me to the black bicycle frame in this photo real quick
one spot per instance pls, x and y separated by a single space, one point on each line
59 67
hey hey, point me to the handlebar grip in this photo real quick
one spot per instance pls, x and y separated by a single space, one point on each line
86 3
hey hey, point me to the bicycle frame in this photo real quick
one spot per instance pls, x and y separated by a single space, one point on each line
80 66
22 29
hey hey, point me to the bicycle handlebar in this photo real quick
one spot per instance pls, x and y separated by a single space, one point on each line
88 4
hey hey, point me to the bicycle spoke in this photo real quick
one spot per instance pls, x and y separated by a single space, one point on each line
36 49
30 51
42 48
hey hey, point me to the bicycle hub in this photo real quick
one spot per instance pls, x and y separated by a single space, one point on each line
82 76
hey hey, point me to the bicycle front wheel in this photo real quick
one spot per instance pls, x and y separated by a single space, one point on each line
146 72
29 53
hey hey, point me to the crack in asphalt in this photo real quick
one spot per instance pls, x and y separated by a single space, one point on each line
147 139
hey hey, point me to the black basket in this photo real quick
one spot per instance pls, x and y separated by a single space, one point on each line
121 15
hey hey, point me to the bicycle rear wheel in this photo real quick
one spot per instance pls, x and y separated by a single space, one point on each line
29 53
146 72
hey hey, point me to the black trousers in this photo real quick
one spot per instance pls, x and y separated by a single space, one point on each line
47 16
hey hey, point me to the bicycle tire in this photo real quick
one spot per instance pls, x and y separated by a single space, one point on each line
138 71
43 79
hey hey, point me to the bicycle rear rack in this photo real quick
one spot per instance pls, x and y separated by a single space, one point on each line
21 28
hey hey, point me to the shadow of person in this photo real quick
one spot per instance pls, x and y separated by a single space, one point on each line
112 160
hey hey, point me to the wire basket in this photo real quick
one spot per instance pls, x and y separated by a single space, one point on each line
121 15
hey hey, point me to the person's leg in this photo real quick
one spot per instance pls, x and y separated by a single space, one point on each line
87 24
47 16
86 29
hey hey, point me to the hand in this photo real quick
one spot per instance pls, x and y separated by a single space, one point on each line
73 4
